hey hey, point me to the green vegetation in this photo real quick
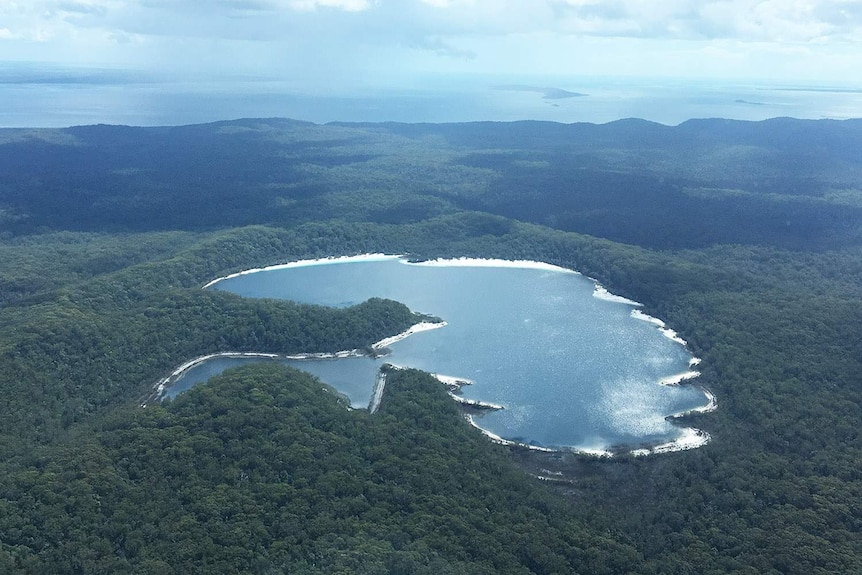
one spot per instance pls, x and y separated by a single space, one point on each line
744 237
262 470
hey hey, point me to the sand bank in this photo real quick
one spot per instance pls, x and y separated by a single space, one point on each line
416 328
666 331
679 378
672 335
638 314
712 405
600 292
691 438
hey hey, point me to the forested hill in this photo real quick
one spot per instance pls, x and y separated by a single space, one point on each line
782 182
744 237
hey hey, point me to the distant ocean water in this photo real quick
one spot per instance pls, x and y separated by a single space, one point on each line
39 102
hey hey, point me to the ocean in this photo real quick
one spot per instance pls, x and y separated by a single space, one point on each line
46 100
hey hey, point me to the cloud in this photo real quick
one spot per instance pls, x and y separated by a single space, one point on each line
347 5
442 48
82 7
466 35
743 20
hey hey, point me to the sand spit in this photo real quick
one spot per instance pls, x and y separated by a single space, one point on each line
638 314
416 328
453 386
691 439
678 378
476 403
665 331
672 335
600 292
712 405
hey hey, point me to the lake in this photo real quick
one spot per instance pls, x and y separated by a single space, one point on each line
573 366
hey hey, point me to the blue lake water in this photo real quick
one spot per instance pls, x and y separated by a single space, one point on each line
570 368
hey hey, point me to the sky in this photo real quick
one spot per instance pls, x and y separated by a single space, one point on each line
383 42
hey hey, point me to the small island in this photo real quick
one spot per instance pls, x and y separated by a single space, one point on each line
548 93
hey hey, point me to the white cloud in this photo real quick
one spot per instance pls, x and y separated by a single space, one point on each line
745 20
474 36
347 5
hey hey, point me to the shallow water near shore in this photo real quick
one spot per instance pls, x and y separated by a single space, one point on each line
572 367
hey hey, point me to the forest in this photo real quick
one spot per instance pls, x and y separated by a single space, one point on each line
744 237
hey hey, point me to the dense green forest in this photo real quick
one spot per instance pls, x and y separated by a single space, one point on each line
744 237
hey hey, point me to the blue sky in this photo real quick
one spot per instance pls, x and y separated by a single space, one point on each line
392 42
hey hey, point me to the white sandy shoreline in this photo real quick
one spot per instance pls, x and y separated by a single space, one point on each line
160 387
601 292
416 328
678 378
712 405
689 439
306 263
489 263
662 327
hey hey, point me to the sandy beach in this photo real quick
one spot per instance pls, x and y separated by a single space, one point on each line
491 263
678 378
305 263
691 439
416 328
600 292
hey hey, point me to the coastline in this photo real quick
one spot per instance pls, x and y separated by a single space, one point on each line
160 387
489 263
306 263
452 383
690 438
678 378
601 292
415 328
507 442
712 405
662 327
